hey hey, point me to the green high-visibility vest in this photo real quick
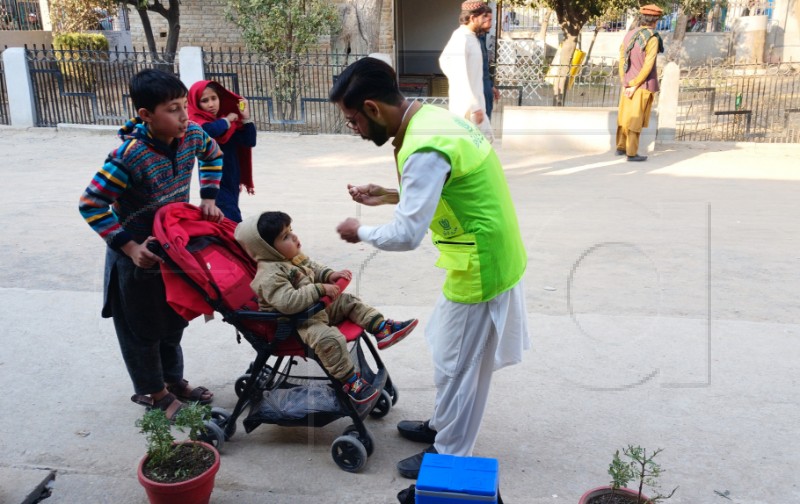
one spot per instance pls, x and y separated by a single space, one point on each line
475 226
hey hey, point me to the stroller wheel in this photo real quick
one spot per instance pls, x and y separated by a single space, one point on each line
240 384
392 392
382 405
221 417
352 430
349 454
213 435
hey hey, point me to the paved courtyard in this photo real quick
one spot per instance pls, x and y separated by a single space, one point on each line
662 301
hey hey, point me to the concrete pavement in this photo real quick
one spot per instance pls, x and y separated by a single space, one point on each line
661 297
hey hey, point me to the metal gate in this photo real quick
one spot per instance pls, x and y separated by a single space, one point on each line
746 103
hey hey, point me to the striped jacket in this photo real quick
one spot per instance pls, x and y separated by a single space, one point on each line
144 174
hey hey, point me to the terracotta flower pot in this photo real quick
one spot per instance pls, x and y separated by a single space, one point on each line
605 490
193 491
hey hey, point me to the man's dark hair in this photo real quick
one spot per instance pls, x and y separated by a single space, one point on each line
270 225
366 79
463 18
151 87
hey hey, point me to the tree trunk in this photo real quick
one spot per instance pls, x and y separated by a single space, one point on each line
148 32
361 23
544 25
568 47
174 30
676 46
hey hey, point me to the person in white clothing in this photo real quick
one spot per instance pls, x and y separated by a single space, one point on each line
452 182
462 63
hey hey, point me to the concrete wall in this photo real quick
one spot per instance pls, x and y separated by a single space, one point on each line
588 130
423 37
19 38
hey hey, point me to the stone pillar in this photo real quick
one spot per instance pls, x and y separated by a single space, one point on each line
44 8
21 99
749 37
191 65
668 102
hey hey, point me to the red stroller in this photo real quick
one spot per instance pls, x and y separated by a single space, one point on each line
205 270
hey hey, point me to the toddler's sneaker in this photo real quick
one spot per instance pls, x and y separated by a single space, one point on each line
359 390
391 332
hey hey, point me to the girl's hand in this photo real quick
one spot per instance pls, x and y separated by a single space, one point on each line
244 108
345 274
233 116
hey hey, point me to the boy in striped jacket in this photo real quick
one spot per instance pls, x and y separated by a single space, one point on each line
151 168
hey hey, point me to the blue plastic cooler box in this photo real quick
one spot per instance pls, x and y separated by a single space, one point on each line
447 479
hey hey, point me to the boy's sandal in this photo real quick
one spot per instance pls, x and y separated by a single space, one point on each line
197 394
169 404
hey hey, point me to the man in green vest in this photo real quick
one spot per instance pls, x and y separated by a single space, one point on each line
451 182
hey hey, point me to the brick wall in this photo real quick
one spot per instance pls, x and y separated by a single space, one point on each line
203 24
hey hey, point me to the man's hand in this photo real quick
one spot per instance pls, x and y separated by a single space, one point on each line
139 254
332 290
372 194
629 91
495 93
348 230
211 211
477 116
336 275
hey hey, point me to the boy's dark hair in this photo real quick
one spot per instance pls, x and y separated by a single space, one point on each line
151 87
366 79
270 225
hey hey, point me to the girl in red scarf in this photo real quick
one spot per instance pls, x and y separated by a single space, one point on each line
225 116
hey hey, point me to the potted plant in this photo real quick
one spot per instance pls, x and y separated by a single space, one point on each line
637 467
177 471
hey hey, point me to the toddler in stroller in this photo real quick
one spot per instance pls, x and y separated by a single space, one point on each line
206 270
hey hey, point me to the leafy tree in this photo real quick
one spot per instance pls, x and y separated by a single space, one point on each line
171 12
282 30
72 16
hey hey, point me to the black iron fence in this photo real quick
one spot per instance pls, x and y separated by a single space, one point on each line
4 117
87 87
290 95
753 103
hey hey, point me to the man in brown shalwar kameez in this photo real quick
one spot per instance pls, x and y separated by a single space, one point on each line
639 77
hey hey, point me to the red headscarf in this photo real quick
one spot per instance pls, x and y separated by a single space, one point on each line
228 102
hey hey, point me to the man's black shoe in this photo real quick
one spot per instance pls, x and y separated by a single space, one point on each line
409 467
637 158
620 152
416 430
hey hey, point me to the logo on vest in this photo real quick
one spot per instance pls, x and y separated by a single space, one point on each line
475 135
447 230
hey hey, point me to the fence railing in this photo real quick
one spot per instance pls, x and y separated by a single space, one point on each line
87 87
4 116
753 103
523 71
284 96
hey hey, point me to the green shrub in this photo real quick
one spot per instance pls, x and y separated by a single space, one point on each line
77 53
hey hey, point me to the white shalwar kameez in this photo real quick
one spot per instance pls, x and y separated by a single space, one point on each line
462 63
468 341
